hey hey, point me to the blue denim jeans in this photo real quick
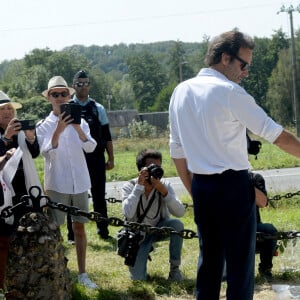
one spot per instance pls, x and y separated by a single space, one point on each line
266 248
139 270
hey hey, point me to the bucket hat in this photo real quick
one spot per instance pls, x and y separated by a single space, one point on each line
4 99
57 82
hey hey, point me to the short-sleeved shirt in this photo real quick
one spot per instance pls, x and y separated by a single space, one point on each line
101 110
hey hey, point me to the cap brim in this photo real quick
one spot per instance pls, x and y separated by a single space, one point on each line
15 105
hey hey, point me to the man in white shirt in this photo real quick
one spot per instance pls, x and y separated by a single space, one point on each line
66 176
209 115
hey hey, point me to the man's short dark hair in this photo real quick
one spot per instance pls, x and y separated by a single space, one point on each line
80 74
228 42
144 154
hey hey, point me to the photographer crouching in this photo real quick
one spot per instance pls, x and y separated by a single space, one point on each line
150 199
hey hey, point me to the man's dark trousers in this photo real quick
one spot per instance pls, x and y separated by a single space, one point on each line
224 209
97 170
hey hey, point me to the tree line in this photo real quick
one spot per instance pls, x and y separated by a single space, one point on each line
143 76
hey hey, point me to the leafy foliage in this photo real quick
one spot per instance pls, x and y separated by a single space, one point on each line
280 95
141 76
141 129
147 79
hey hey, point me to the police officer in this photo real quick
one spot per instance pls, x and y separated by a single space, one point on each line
94 113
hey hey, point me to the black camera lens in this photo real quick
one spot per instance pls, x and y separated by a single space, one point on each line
155 171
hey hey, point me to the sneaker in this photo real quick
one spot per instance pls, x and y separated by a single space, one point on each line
83 279
175 275
71 242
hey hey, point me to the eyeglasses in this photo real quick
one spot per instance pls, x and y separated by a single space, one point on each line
63 94
81 84
244 65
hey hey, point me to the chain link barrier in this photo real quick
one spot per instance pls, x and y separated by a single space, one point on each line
39 202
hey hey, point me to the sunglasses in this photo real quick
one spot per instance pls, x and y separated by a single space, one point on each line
63 94
81 84
244 64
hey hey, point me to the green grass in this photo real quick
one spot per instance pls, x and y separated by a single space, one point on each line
125 150
107 269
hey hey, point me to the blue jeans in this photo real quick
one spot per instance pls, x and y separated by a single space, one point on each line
266 248
224 211
139 270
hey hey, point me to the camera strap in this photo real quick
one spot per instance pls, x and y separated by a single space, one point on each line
141 217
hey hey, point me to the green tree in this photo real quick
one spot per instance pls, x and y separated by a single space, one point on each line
147 79
123 95
163 99
265 58
280 94
179 66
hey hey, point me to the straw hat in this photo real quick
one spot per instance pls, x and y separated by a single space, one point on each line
57 82
4 99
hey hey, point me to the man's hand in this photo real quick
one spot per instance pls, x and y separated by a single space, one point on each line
159 186
109 165
143 176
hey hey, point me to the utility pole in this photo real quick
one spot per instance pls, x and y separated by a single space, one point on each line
180 69
109 98
296 102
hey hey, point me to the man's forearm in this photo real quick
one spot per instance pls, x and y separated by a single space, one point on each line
288 143
110 150
184 174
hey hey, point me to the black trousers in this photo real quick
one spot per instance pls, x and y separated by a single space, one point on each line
224 211
97 170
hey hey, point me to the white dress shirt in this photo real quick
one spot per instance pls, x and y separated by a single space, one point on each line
65 168
209 115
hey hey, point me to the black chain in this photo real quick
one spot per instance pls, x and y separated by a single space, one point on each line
278 235
97 217
114 200
287 196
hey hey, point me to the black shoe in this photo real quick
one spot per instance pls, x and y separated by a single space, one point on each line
266 273
106 237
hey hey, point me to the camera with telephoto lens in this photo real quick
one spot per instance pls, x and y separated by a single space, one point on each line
155 171
128 245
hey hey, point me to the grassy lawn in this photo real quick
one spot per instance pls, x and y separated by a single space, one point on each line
108 270
125 150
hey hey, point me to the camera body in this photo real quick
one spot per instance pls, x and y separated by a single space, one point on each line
128 245
72 109
155 171
26 124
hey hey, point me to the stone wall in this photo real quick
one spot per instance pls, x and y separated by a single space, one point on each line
119 119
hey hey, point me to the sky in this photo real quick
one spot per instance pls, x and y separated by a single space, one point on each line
29 24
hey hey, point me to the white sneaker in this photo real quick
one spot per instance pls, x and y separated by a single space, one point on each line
84 280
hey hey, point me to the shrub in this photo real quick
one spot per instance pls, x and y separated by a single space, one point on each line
141 129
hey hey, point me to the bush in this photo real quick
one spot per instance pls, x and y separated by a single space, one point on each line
140 129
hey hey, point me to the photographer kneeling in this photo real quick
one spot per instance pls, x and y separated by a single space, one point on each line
154 195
